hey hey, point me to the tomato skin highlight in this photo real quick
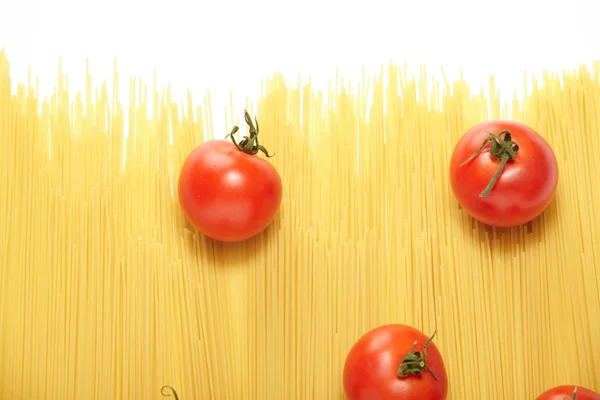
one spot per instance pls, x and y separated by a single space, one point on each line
565 392
525 187
226 194
371 367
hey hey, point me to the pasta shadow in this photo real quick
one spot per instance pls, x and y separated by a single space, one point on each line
249 252
533 231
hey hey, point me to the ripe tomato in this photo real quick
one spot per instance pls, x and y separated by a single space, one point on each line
226 191
395 362
503 173
569 392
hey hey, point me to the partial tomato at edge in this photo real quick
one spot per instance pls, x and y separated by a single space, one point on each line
568 392
228 193
395 362
527 173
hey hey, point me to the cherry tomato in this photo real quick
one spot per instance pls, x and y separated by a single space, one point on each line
503 173
226 191
568 392
395 362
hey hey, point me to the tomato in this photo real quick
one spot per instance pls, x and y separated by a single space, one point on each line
395 362
227 192
503 173
569 392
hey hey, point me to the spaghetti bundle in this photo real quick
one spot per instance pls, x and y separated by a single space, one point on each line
106 291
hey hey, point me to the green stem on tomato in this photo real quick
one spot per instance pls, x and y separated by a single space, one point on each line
414 363
574 393
166 394
503 148
249 144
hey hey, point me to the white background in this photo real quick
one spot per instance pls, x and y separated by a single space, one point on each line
231 44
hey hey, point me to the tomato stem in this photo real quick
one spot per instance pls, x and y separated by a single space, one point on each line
503 148
414 363
169 395
249 144
574 393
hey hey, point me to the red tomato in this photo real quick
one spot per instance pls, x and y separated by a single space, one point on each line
395 362
226 191
508 182
568 393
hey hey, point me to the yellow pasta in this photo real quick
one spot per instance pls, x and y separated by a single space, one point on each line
106 292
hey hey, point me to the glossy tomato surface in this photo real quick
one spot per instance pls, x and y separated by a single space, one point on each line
371 367
524 188
226 194
565 392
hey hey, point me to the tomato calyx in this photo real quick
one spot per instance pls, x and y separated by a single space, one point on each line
414 363
169 395
503 148
249 144
574 393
